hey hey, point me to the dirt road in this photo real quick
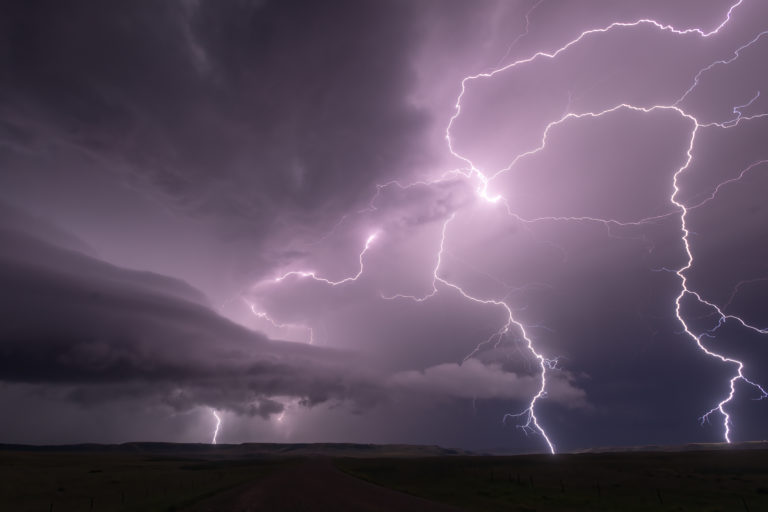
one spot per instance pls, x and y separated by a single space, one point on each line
314 484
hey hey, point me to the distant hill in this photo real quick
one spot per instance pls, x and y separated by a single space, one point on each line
245 450
250 449
691 447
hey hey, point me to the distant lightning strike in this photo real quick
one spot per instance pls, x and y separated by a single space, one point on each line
265 316
531 423
218 424
722 184
311 274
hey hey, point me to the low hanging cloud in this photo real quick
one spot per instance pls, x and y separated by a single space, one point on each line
473 379
91 332
102 332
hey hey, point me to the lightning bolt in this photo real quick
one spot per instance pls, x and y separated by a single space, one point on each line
686 291
265 316
313 275
738 287
531 423
218 424
552 55
469 171
524 33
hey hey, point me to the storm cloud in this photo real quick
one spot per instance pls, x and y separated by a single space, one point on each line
103 331
299 107
278 209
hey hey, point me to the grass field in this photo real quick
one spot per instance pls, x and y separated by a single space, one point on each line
160 477
723 480
117 481
166 477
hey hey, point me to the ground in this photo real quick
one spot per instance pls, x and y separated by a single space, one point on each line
198 478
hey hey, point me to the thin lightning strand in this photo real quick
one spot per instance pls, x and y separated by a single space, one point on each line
265 316
737 110
738 287
720 407
435 277
723 62
532 422
522 34
218 424
446 176
313 275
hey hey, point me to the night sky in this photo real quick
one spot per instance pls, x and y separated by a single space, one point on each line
384 221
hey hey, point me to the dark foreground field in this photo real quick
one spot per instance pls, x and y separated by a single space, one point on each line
167 477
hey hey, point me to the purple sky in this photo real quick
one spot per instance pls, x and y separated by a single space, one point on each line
251 206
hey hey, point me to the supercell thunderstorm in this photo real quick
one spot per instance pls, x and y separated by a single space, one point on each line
482 180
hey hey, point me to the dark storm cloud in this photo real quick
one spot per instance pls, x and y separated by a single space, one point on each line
91 333
476 380
299 107
20 221
106 332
